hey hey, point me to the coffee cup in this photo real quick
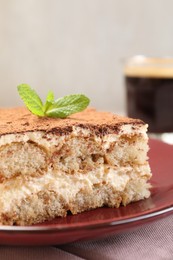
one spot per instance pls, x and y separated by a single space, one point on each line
149 93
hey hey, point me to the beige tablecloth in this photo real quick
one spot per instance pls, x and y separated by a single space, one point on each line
153 241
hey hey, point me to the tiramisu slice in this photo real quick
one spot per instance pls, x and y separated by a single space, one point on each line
51 166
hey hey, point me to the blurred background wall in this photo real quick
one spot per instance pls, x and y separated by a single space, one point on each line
78 46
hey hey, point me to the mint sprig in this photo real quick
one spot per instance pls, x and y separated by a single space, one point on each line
60 108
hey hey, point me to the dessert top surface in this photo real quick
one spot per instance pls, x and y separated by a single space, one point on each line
20 120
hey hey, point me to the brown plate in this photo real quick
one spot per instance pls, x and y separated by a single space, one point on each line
105 221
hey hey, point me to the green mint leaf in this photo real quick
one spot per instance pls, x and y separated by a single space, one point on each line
68 105
49 101
31 99
50 96
60 108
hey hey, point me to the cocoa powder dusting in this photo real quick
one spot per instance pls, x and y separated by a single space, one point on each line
100 123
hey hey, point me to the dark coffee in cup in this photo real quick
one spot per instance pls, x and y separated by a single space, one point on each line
149 90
